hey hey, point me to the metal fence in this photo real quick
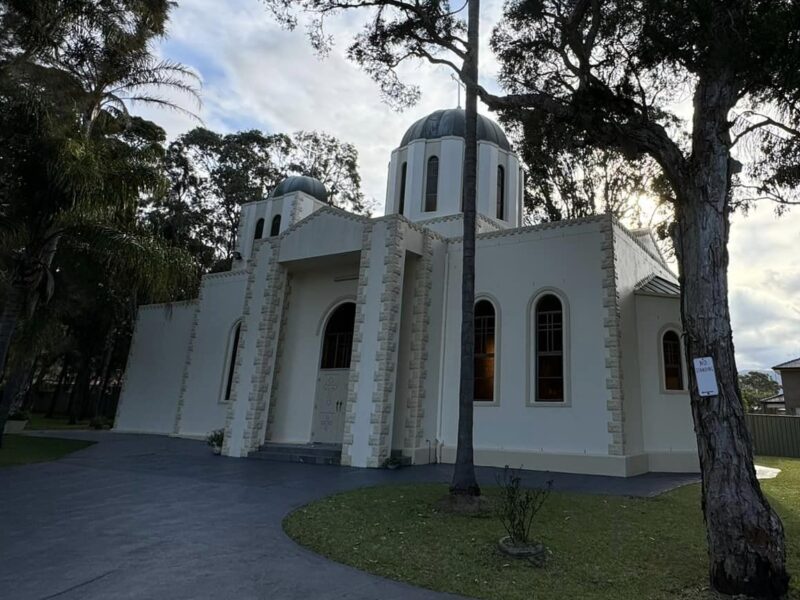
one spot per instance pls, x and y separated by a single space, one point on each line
775 435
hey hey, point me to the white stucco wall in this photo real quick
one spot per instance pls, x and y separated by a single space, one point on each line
667 425
220 307
154 372
316 289
513 269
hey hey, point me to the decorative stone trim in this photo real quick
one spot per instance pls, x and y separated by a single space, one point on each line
274 394
167 305
613 338
212 277
420 335
380 439
635 239
188 363
240 350
534 228
266 350
355 356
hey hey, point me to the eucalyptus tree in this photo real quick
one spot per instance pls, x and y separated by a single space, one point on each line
212 174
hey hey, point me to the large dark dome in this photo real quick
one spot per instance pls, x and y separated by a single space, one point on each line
301 183
453 122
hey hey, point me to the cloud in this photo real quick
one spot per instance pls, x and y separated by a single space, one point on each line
256 75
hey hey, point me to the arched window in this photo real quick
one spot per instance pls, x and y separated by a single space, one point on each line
337 344
275 229
501 193
259 229
232 350
401 201
673 367
549 349
484 351
432 184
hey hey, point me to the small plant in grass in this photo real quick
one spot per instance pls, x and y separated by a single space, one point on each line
215 439
100 423
517 509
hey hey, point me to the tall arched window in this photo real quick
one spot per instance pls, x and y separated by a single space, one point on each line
673 367
259 229
484 351
501 193
549 349
337 345
401 201
275 229
232 350
432 184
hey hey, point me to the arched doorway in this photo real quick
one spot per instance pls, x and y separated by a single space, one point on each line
334 374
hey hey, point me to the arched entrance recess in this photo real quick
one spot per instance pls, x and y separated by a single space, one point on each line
334 374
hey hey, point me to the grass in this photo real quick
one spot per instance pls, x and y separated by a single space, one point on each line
39 422
603 547
23 450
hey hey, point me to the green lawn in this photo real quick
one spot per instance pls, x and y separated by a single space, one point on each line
22 449
603 547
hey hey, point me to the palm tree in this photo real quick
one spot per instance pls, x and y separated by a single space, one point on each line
75 162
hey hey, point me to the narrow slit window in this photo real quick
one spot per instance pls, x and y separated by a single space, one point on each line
484 351
259 229
501 193
401 202
673 368
549 349
234 349
276 226
432 184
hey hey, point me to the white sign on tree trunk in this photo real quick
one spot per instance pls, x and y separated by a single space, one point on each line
706 376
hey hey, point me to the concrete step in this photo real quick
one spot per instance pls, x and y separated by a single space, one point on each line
316 454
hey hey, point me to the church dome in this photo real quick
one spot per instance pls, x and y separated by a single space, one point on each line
453 122
301 183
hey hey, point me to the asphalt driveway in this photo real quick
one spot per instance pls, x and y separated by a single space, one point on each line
151 517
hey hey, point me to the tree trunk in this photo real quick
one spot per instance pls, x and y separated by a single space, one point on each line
108 350
745 536
59 387
12 310
464 481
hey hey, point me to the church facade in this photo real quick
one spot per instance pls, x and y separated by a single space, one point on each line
340 331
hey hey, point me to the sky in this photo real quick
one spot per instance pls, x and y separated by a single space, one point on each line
256 75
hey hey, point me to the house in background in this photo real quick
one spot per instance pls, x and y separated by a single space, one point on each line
790 376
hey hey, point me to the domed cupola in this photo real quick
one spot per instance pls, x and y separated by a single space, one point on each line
452 122
426 174
301 183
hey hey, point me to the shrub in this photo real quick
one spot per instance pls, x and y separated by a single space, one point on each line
215 438
100 423
518 507
19 415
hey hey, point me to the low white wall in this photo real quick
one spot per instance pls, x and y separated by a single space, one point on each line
149 397
513 269
220 307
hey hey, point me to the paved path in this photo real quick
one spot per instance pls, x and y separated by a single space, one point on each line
150 517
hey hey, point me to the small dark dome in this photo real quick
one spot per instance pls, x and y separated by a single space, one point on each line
453 122
301 183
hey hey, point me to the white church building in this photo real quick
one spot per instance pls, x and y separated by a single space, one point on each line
340 332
